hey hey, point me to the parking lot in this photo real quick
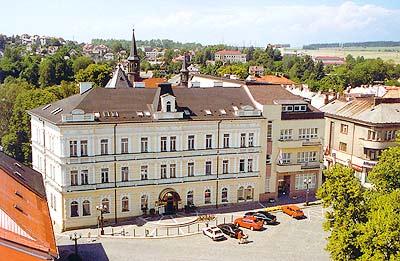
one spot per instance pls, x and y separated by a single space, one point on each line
290 240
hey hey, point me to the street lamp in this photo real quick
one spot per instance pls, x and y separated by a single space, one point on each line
307 182
102 209
75 237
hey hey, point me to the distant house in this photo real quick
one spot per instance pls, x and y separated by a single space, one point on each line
256 70
26 230
329 60
109 56
230 56
152 53
271 79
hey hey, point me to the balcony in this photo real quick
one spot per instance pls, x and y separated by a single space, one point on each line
377 145
287 144
311 165
312 142
288 167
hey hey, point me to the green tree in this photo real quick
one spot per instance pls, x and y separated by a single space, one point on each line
380 235
99 74
16 142
47 74
343 193
81 62
386 174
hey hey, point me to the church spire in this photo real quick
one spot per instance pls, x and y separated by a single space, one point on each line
185 71
133 62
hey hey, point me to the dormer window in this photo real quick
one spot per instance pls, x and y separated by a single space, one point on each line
168 106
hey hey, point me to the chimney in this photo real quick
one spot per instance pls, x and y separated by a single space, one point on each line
326 99
84 87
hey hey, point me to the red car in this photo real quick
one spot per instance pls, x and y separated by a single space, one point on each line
293 211
249 222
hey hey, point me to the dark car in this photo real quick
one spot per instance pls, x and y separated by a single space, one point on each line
230 229
263 215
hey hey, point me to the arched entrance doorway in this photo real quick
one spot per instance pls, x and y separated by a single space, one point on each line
170 199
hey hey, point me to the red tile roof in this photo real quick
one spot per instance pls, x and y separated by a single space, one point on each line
153 82
272 79
228 52
24 211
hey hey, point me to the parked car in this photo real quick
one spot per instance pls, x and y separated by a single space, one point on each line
267 217
249 222
293 211
230 230
214 233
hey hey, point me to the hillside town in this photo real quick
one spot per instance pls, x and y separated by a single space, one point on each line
109 144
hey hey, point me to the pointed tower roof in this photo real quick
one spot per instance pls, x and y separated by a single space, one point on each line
134 54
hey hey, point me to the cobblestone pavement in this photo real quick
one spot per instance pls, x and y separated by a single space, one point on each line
290 240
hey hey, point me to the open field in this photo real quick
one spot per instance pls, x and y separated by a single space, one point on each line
385 53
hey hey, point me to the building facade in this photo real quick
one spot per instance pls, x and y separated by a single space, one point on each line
231 56
358 130
141 149
294 139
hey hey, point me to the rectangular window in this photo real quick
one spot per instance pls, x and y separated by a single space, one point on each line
74 178
124 145
308 133
306 156
104 146
84 177
372 154
163 171
286 157
226 140
268 159
172 143
172 171
73 148
390 135
124 173
163 144
144 144
342 146
191 142
208 141
191 169
286 134
225 166
300 179
250 165
251 139
372 135
208 168
287 108
243 140
84 148
344 128
143 172
269 130
104 175
241 165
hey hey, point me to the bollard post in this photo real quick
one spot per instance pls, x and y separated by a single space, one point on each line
198 227
134 232
178 231
112 231
224 220
167 231
188 229
156 231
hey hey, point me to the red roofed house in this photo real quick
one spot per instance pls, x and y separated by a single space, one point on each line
230 56
26 231
329 60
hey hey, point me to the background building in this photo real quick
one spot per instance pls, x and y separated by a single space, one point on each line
230 56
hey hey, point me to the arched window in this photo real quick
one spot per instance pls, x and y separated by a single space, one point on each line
144 202
240 193
125 204
169 106
249 193
207 196
86 208
106 205
189 198
74 209
224 195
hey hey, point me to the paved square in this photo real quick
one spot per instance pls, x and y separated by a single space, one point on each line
290 240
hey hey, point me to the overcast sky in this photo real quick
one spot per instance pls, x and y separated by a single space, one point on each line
244 22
